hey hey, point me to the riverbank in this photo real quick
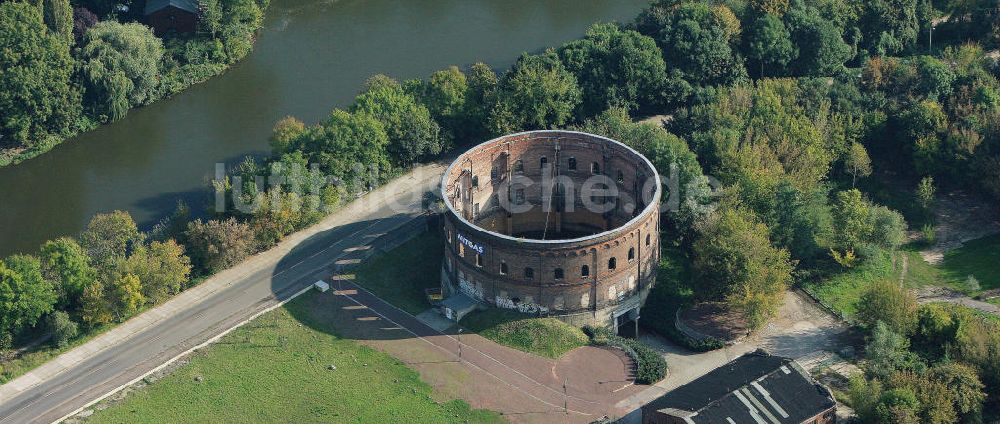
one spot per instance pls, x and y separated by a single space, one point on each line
161 66
167 151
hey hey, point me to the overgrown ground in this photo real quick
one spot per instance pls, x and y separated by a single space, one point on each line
276 369
400 276
546 337
977 258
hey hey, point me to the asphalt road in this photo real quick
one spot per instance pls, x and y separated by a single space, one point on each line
311 260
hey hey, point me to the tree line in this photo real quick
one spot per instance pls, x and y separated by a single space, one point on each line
70 65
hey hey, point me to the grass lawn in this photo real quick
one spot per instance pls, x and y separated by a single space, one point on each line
979 258
546 337
842 291
400 276
275 369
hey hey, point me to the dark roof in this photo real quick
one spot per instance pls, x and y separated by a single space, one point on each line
754 388
155 5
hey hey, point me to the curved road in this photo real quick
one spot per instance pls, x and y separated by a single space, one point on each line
87 373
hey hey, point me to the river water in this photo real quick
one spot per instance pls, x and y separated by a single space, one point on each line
309 58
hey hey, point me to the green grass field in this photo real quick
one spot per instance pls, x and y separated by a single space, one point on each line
546 337
842 291
979 258
400 276
275 369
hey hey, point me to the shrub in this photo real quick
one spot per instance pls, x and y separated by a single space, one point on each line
650 365
63 328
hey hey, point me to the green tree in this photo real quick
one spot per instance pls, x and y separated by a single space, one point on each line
66 263
890 26
888 228
37 97
216 245
538 92
210 16
240 21
770 44
479 101
820 44
25 296
857 163
935 77
888 352
58 16
966 390
444 95
109 236
851 220
413 134
162 267
696 38
888 302
344 141
62 328
120 64
615 67
734 259
125 296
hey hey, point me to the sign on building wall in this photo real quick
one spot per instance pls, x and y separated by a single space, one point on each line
478 248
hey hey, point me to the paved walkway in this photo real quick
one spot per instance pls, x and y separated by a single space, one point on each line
157 336
582 386
801 329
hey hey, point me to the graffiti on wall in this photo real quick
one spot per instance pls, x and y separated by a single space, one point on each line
524 307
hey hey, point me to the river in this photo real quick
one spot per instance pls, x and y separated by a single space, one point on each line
309 58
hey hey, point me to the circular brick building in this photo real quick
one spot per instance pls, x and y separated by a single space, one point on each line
555 223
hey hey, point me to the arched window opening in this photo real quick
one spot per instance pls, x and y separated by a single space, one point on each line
558 274
529 273
595 168
503 268
631 254
479 260
612 263
542 162
519 166
572 164
585 271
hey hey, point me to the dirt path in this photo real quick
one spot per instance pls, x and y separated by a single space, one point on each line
960 217
932 294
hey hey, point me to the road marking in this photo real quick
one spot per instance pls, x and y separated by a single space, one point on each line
558 407
201 345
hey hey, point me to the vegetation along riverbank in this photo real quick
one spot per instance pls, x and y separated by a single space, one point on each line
69 66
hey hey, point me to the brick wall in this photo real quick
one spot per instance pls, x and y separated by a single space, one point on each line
557 283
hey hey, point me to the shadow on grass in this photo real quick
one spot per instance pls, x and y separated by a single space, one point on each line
374 294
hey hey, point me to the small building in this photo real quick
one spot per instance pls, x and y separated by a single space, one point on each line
179 16
756 388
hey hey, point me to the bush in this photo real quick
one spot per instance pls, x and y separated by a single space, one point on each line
650 365
63 328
